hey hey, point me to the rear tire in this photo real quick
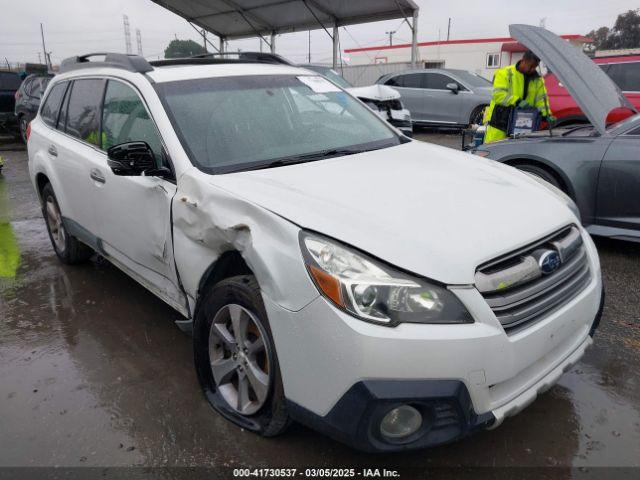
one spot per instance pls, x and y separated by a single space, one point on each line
23 123
476 115
540 173
230 321
68 248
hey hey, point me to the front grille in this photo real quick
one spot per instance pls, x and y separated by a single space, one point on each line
528 284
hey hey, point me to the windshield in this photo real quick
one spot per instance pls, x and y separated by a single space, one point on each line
471 78
331 74
238 123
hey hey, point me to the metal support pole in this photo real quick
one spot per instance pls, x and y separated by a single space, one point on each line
273 42
221 47
335 46
44 49
414 39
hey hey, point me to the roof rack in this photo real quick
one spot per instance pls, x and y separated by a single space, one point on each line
226 57
132 63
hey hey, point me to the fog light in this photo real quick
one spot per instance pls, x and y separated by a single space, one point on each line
401 422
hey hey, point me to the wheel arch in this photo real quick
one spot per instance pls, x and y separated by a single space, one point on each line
540 162
41 180
479 106
229 264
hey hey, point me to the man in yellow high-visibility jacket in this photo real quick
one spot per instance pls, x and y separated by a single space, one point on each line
515 86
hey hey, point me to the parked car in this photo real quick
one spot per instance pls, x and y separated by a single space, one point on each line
383 100
388 292
27 100
441 97
597 165
9 84
624 70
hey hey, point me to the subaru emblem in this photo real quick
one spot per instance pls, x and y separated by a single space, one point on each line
549 262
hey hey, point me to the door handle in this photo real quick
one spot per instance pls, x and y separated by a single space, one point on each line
53 151
97 176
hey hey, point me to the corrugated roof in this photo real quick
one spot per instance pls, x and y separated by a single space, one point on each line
249 18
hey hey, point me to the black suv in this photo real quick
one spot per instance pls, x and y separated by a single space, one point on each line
9 84
28 100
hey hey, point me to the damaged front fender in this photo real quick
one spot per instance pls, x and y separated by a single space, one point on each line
209 221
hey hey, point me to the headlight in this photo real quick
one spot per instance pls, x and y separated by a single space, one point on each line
374 292
559 193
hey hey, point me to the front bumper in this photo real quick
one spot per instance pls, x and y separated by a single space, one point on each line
341 374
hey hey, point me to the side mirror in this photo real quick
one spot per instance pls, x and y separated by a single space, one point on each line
131 158
453 87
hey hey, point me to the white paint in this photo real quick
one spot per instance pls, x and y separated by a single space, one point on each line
426 209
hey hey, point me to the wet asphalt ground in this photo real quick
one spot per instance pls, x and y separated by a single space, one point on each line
93 372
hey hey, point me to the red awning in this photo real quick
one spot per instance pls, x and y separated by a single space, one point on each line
513 47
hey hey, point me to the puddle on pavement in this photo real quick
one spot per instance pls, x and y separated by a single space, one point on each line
93 372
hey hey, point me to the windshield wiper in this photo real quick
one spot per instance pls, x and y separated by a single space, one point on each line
309 157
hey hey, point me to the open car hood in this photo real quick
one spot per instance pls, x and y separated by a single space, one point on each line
380 93
589 86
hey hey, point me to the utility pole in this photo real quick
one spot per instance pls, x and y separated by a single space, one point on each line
139 41
204 40
390 37
39 58
449 29
44 49
127 35
309 46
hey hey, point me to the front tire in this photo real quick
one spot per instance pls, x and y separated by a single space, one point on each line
235 357
68 248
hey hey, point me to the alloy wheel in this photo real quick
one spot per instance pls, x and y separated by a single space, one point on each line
239 358
54 221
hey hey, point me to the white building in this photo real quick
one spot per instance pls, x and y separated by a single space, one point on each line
480 55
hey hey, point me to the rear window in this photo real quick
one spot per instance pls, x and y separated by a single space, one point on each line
36 86
51 106
9 81
83 112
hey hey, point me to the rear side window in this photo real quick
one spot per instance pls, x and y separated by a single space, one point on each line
410 80
626 76
125 119
83 111
51 106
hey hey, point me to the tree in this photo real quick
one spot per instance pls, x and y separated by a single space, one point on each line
624 34
183 48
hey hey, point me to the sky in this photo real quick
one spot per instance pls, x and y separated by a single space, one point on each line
74 27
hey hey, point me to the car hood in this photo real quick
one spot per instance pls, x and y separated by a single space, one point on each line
590 87
379 93
427 209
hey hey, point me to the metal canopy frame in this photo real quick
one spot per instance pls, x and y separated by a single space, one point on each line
237 19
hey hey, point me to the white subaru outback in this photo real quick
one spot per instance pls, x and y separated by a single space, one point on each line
387 292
